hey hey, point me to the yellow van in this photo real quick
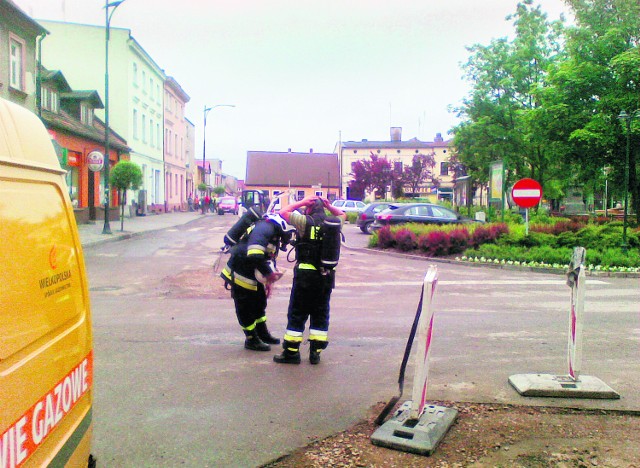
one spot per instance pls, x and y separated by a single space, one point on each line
46 343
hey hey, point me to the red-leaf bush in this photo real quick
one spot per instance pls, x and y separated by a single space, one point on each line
459 240
435 243
405 240
385 237
481 235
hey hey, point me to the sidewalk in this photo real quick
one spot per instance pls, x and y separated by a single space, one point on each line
91 234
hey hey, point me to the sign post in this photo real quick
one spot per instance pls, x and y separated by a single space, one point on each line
526 193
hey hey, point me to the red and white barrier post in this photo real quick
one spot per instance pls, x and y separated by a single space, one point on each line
423 342
576 280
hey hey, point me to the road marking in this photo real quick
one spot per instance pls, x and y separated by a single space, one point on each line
196 229
557 282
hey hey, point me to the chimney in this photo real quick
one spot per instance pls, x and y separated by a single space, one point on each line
396 133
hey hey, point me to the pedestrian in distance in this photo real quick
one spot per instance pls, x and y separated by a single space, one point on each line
250 274
205 204
196 203
313 278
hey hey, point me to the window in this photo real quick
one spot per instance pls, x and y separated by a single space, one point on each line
300 195
135 74
158 135
50 99
151 87
158 93
144 81
86 114
144 128
151 139
319 193
135 123
16 64
444 168
397 167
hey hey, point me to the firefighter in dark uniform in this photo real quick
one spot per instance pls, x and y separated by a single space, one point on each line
312 283
250 274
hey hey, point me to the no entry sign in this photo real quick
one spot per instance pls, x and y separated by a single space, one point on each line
526 193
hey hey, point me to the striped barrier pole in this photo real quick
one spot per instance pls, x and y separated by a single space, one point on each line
576 280
423 342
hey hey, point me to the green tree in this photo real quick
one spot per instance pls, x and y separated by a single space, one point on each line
500 115
219 190
202 187
124 176
600 77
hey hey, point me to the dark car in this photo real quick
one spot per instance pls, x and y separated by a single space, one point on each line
425 213
228 205
366 218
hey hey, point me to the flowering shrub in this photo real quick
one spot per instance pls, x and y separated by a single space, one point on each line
406 240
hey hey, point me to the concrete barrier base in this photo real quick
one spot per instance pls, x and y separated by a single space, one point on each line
562 386
420 436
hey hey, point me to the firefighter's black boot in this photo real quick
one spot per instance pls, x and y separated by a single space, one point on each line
254 343
264 335
287 357
290 354
316 348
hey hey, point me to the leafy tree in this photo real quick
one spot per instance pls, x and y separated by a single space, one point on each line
219 190
202 187
420 171
371 174
125 175
500 116
600 78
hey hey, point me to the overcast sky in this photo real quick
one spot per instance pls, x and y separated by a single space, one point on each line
303 73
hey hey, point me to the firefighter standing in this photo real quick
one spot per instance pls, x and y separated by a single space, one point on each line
312 283
250 274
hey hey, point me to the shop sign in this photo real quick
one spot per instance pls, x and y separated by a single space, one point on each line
95 161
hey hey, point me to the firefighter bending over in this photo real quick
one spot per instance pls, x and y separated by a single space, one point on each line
317 252
250 274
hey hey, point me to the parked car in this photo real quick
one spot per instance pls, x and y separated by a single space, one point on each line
228 205
425 213
349 206
367 217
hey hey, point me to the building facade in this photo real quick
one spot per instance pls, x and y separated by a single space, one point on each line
19 35
190 161
175 149
298 174
400 154
136 93
75 133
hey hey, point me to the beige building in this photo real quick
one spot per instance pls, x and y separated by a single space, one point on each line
400 154
298 174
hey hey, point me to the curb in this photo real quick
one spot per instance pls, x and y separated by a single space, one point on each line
497 266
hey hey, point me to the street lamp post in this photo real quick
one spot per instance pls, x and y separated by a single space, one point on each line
107 5
626 118
204 136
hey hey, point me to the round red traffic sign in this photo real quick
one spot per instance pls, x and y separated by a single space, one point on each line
526 193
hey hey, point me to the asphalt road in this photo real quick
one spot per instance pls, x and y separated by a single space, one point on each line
174 386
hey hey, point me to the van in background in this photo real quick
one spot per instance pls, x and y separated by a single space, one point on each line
46 343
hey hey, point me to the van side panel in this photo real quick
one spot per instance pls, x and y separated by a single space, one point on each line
46 343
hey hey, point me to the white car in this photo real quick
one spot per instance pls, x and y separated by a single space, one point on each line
349 206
